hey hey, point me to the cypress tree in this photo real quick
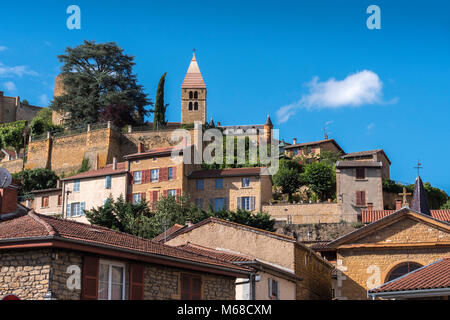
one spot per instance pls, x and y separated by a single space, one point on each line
160 108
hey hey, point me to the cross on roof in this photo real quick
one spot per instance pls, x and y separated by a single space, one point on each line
419 166
404 194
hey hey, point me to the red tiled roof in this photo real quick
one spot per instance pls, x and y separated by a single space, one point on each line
193 77
369 216
212 253
32 225
359 164
433 276
105 171
165 234
155 152
304 144
233 172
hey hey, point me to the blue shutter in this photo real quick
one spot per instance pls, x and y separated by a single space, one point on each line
108 182
82 208
225 203
252 203
68 210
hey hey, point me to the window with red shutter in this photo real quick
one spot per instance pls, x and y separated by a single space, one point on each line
191 287
155 196
89 284
136 282
143 196
360 198
360 173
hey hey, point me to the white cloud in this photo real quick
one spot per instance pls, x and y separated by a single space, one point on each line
3 48
361 88
10 86
20 71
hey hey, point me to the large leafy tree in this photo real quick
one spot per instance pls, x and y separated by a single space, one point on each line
320 177
37 179
95 77
160 108
14 135
288 176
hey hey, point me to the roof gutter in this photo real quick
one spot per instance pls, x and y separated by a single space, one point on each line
230 271
410 293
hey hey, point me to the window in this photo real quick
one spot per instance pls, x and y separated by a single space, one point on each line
108 182
137 177
220 204
172 193
76 186
360 173
155 175
111 281
199 203
402 269
219 183
191 287
296 152
44 202
360 198
274 289
75 209
190 105
191 95
195 105
245 182
170 173
199 185
246 203
60 200
195 95
137 198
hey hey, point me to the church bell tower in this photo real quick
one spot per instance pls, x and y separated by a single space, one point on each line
193 95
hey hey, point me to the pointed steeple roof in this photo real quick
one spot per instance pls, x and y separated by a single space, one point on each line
193 77
211 123
419 201
268 121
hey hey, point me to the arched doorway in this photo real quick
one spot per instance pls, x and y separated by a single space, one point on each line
402 269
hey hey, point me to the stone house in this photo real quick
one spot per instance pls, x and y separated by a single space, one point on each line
372 155
47 201
43 257
91 189
312 150
271 248
232 189
359 186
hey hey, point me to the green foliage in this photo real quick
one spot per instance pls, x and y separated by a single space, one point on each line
288 176
446 206
160 108
85 166
330 157
37 179
43 123
137 219
96 76
320 177
12 135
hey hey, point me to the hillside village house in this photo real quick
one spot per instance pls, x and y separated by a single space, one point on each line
48 201
387 249
267 247
372 155
311 150
231 189
91 189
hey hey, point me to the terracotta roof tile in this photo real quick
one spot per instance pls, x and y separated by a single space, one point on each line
433 276
105 171
168 232
359 164
305 144
369 216
32 225
216 254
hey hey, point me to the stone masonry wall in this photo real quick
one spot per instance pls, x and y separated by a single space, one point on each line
12 166
307 213
25 273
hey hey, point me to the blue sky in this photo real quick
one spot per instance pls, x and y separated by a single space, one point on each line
259 56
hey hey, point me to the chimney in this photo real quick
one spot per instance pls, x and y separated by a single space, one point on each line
294 141
140 147
370 206
58 183
218 124
398 205
114 163
8 199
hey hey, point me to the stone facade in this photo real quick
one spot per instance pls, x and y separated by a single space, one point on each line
54 206
191 115
308 213
27 275
12 166
12 109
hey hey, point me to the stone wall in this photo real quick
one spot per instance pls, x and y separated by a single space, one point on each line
12 166
25 273
190 116
309 213
61 261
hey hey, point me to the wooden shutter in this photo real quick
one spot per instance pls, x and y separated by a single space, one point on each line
191 287
174 173
68 207
178 192
155 196
225 203
185 287
252 203
239 203
360 198
165 193
89 286
269 289
196 290
136 282
363 198
143 196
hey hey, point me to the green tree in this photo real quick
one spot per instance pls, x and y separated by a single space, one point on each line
12 135
160 108
435 196
37 179
43 123
446 206
288 177
96 76
320 177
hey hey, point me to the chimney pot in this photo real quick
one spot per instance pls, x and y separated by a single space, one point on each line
114 163
294 141
398 204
